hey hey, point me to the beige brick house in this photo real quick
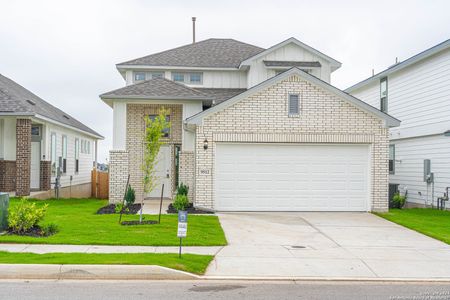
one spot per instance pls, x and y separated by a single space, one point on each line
252 130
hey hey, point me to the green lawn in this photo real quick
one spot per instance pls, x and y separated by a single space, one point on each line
431 222
79 225
188 262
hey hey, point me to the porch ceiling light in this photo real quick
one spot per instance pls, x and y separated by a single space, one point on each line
205 144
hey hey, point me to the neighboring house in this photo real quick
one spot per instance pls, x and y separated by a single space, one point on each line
253 129
35 139
416 91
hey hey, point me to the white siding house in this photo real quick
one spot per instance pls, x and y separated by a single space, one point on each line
37 139
418 94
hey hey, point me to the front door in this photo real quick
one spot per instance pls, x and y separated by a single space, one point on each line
35 165
163 174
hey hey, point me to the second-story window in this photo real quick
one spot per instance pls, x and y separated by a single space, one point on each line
139 76
384 95
188 77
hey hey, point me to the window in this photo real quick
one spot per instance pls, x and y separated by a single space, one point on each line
188 78
53 153
77 155
391 159
195 78
35 130
178 77
294 104
82 146
154 75
384 95
166 131
88 147
139 76
64 154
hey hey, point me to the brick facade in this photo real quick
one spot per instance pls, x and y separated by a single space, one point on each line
262 117
45 175
135 134
23 156
7 175
118 174
187 171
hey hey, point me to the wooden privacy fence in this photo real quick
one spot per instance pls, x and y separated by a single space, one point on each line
100 184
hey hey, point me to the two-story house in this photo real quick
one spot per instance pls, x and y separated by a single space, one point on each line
253 129
417 91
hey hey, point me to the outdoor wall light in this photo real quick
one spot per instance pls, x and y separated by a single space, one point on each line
205 144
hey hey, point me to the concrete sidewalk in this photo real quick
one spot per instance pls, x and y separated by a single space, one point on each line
42 249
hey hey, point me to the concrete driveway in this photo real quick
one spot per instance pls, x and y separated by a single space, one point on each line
326 245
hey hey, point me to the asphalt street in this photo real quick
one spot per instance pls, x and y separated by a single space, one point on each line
20 289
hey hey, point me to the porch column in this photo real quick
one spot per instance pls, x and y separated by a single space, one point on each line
23 157
118 156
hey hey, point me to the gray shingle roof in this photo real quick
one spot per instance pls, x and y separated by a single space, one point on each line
219 95
283 63
157 88
212 53
17 100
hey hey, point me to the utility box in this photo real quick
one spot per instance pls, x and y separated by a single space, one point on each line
4 204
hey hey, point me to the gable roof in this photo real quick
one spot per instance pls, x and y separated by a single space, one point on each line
18 101
156 88
390 121
334 63
397 67
212 53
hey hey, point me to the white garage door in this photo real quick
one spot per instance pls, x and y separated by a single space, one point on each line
275 177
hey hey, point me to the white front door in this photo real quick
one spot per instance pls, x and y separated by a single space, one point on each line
281 177
35 165
163 174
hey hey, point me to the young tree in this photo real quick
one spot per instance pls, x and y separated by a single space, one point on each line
154 133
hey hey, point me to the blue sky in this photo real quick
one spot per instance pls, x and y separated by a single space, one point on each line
66 51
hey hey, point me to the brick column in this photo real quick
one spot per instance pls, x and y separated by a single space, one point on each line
7 175
23 156
187 172
46 175
118 175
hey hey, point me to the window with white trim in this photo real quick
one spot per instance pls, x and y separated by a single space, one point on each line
384 95
53 161
294 104
188 77
139 76
64 154
77 155
391 159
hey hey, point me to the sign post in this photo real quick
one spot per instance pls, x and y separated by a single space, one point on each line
182 227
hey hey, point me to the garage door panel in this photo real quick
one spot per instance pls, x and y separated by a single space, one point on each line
256 177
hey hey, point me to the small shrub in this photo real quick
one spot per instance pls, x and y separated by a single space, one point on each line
49 229
398 201
25 215
130 196
182 189
181 202
119 207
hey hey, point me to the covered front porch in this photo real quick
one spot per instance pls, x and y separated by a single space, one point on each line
24 167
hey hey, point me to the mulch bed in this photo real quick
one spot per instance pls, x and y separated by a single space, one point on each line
111 209
33 232
136 222
191 210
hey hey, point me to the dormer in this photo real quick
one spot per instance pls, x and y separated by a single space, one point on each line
285 55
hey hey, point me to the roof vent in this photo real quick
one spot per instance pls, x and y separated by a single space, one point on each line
31 102
65 116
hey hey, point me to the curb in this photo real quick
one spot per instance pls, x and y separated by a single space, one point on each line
83 272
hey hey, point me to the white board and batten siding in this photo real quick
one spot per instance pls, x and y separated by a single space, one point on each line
292 177
419 96
85 159
258 72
